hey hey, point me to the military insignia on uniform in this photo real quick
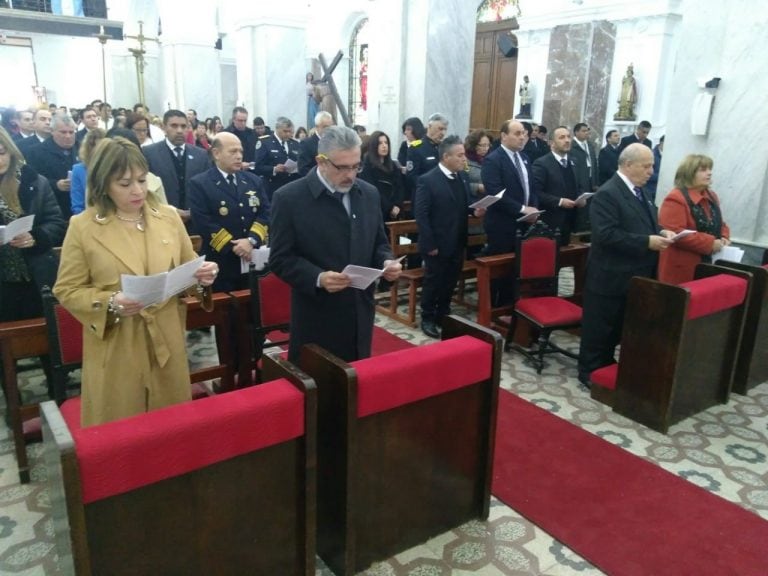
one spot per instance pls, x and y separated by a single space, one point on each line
258 144
223 211
415 143
409 166
253 200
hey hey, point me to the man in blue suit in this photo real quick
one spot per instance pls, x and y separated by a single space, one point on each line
441 210
230 210
506 168
176 162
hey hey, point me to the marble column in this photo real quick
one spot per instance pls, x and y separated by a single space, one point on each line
191 75
577 83
271 64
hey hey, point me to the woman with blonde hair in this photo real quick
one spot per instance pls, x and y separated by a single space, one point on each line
691 205
27 261
125 230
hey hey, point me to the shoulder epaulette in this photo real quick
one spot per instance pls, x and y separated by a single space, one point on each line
415 143
265 136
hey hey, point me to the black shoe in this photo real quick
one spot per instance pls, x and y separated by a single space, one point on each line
584 381
430 329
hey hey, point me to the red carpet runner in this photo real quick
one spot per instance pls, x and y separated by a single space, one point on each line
625 515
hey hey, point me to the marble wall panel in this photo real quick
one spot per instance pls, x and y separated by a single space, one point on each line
599 79
569 52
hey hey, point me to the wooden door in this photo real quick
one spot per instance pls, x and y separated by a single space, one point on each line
494 79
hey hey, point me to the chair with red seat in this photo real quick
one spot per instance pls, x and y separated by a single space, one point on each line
405 443
678 347
270 312
536 266
65 343
223 485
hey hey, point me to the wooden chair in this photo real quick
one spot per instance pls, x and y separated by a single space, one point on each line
752 364
65 343
270 311
220 319
405 443
678 347
537 267
225 485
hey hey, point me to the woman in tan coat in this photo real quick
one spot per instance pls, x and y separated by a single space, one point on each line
691 205
134 358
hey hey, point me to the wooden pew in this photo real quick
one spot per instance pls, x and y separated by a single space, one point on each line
752 364
224 485
489 268
29 338
414 276
405 443
18 340
678 347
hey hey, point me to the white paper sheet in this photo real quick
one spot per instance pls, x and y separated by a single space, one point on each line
730 253
581 201
363 277
259 257
159 287
524 217
291 166
486 201
682 234
13 229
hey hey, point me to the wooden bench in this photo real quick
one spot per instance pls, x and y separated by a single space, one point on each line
414 276
223 485
752 364
678 347
405 443
489 268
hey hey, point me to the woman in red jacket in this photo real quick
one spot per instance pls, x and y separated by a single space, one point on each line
691 205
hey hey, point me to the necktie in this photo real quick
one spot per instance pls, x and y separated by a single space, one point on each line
285 147
519 168
231 180
639 194
564 162
341 197
178 151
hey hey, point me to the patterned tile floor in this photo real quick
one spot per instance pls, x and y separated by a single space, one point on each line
724 450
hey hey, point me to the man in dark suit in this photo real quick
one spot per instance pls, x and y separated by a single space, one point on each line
24 120
54 159
42 126
441 208
626 241
230 210
90 121
277 156
239 127
608 160
308 146
554 180
176 162
640 136
584 158
535 148
319 225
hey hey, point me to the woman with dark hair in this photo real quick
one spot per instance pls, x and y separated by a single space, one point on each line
382 172
476 145
201 136
413 129
27 261
134 356
301 133
139 124
691 205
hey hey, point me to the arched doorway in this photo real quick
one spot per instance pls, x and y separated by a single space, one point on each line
495 70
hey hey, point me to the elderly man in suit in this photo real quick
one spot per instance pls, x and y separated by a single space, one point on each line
308 146
555 182
441 210
319 225
626 241
176 162
230 210
506 168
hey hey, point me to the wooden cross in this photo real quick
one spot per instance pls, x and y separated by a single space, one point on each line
328 78
138 54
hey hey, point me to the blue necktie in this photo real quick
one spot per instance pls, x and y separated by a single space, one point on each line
639 194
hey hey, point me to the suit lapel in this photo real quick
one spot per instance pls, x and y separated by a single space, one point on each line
160 245
643 210
511 167
115 239
222 184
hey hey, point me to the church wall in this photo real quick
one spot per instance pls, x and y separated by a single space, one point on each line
725 40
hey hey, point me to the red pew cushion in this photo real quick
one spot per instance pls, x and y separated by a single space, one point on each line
404 376
549 310
126 454
606 376
713 294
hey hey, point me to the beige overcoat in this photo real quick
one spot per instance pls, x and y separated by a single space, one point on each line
140 363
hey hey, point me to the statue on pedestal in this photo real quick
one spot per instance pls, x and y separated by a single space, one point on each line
627 96
525 99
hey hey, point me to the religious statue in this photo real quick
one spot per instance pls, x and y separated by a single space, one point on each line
627 96
525 99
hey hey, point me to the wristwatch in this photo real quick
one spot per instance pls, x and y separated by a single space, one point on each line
252 241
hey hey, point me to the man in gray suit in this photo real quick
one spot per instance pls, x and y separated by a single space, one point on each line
626 241
175 161
319 224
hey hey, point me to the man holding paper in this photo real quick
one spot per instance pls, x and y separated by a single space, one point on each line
320 224
230 210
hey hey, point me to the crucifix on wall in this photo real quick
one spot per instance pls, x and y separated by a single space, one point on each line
138 54
328 79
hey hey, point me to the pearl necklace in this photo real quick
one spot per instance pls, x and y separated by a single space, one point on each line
138 221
